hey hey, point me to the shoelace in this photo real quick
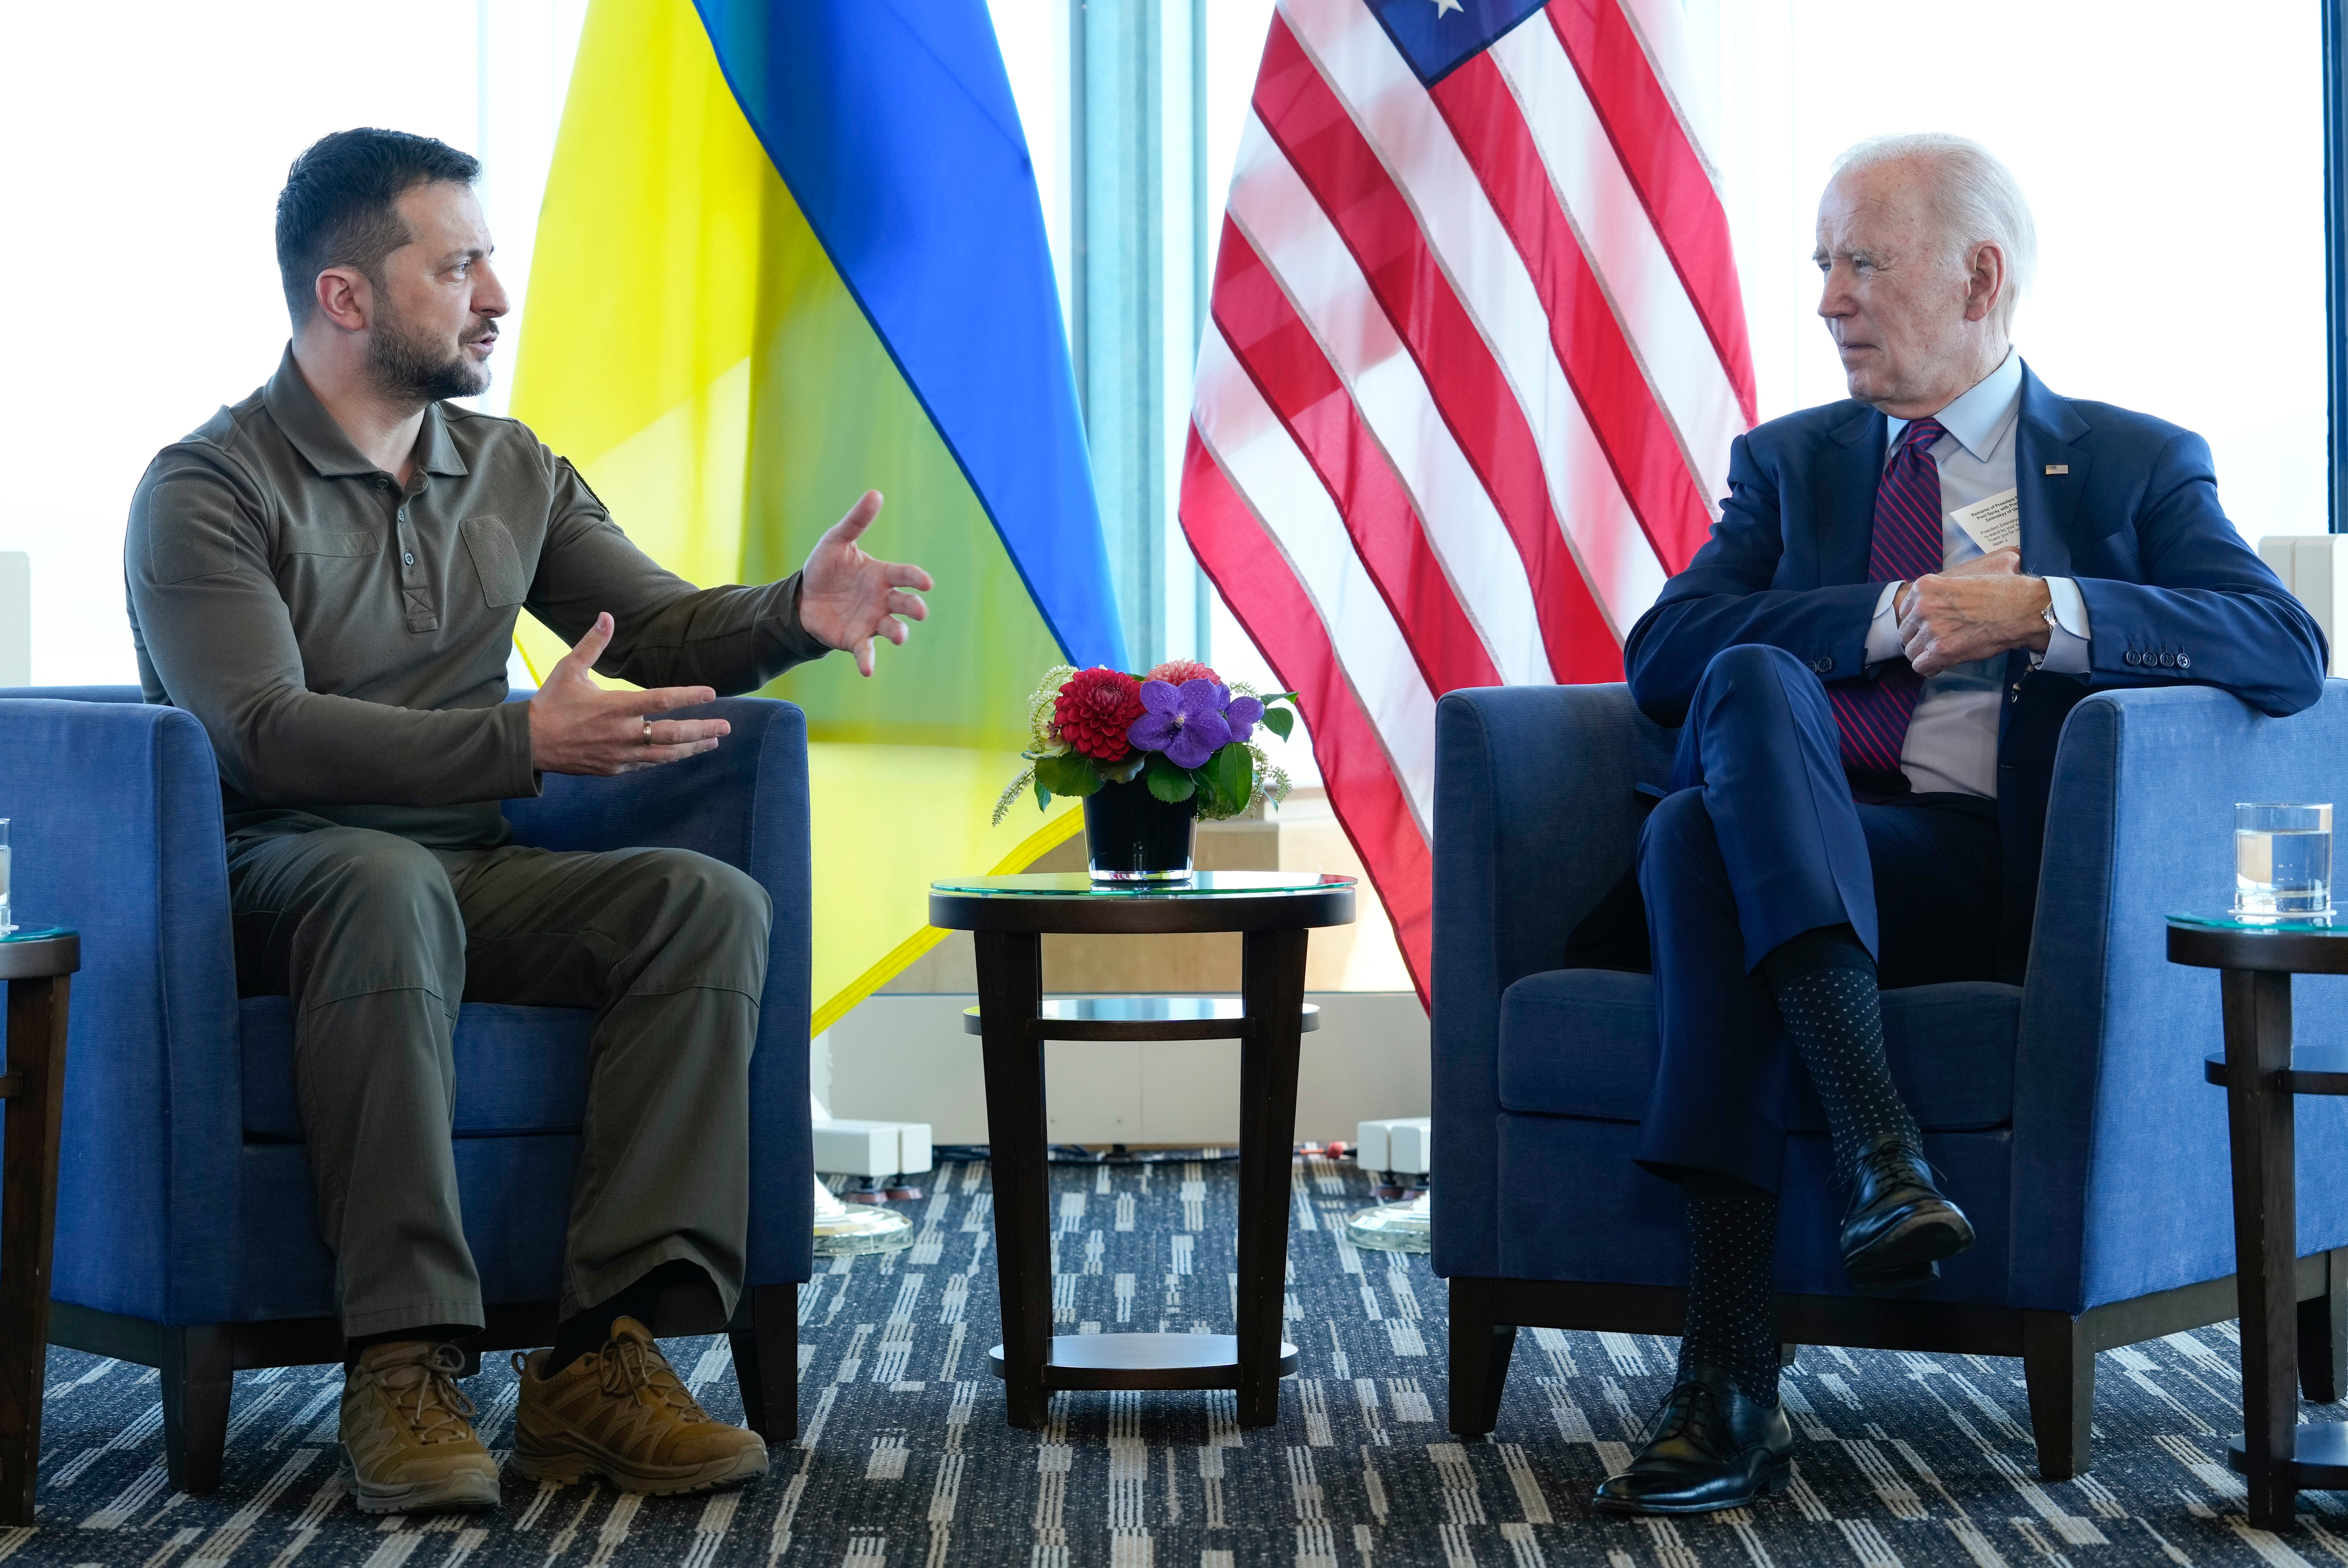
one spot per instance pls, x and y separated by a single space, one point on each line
628 1364
436 1402
1678 1414
1891 1161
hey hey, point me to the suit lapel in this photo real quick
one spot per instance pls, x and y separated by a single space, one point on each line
1849 468
2050 502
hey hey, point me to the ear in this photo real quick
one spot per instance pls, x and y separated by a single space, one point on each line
1984 281
345 298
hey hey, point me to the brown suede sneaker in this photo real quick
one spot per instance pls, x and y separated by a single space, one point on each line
408 1435
623 1413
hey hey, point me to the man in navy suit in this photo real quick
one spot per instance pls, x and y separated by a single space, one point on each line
1871 659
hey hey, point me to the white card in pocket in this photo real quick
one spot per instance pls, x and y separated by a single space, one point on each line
1994 523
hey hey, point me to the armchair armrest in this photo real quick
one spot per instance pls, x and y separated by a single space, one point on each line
1536 818
745 803
2120 1147
116 832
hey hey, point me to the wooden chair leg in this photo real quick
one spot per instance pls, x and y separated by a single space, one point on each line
197 1379
1481 1350
2323 1334
2060 1369
765 1335
1788 1354
29 1208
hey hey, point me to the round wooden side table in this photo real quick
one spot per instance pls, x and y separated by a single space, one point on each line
2261 1074
1274 912
36 962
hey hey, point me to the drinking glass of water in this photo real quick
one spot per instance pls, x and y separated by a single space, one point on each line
6 925
2282 858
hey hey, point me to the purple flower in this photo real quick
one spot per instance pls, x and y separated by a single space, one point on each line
1185 722
1244 712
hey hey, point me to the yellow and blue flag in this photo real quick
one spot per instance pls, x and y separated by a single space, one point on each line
791 250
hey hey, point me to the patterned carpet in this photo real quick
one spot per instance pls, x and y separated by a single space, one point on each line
905 1463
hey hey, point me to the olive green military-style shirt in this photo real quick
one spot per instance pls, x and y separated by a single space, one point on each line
344 641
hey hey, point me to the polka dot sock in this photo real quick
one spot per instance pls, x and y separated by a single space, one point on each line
1837 1026
1825 984
1731 1321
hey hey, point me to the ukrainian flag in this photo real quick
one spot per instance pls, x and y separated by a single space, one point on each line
792 250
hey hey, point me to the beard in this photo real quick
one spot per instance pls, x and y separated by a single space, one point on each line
409 367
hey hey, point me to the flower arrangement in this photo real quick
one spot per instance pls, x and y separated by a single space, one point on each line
1182 728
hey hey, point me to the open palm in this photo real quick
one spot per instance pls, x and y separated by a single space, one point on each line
847 598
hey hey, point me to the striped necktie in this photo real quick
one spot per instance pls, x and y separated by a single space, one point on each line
1873 715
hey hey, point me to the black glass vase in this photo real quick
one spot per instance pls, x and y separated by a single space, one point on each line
1130 835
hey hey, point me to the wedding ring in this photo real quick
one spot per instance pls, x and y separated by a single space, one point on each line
648 732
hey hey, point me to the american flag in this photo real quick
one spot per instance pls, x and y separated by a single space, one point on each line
1477 353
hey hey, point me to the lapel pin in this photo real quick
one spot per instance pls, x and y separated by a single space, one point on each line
2058 468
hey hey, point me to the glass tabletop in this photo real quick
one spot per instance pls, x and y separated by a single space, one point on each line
36 933
1201 884
2335 924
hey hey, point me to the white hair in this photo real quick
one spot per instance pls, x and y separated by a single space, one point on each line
1975 198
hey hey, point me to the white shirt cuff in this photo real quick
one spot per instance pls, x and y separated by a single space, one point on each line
1883 632
2067 647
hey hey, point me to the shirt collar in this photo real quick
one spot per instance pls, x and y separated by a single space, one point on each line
314 434
1979 416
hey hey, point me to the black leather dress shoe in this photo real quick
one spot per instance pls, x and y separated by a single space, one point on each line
1712 1449
1897 1225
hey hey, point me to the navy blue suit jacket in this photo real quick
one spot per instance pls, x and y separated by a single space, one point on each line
2172 591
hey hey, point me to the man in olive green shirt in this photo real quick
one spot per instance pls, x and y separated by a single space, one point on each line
327 576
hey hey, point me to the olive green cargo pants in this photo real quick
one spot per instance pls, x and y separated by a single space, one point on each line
375 940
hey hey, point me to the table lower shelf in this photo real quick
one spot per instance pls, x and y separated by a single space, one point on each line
2319 1456
2314 1069
1144 1361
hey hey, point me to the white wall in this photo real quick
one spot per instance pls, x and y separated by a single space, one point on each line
906 1059
2173 155
152 140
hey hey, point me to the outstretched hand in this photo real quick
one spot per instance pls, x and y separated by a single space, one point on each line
577 727
847 598
1985 606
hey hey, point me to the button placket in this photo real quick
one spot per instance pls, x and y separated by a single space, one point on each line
415 579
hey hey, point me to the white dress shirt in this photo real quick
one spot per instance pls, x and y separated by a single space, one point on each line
1951 744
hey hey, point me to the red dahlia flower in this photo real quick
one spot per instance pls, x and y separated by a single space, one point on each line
1093 711
1174 672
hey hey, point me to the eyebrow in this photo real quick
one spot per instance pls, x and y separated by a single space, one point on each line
467 254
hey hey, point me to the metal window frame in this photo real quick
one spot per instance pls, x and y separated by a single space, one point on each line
2335 254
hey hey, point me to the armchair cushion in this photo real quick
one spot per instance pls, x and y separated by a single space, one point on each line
1581 1042
519 1069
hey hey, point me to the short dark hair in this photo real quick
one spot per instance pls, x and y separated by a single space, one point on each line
339 205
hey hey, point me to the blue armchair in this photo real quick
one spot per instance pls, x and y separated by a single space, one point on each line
186 1237
2069 1114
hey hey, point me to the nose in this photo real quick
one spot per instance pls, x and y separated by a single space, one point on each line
489 293
1834 295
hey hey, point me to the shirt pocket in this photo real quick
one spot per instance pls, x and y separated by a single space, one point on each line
331 541
495 562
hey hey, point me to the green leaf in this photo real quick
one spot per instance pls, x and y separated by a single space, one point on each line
1280 721
1070 775
1127 771
1043 797
1168 782
1233 770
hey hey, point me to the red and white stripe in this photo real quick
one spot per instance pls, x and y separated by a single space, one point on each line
1477 358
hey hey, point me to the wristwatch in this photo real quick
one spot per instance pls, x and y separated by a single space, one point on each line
2046 613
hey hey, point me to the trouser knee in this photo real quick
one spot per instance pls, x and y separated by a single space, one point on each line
1754 665
711 926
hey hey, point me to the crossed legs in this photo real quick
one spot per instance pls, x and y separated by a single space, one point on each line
1774 902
